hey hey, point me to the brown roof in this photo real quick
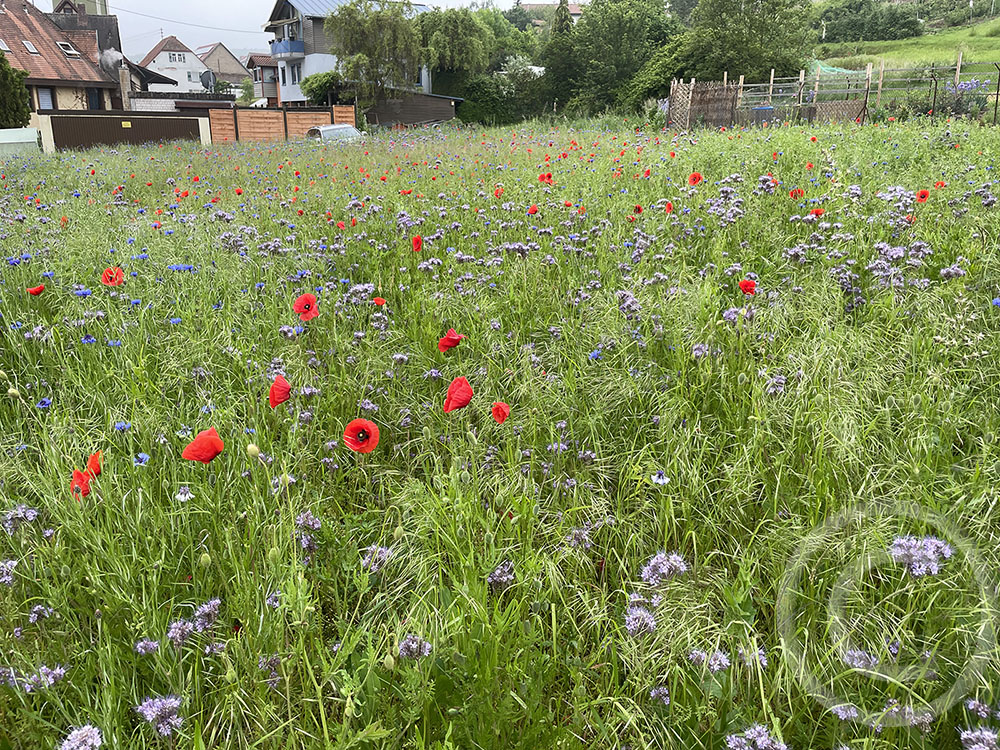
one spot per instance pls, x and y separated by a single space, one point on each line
85 40
167 44
258 60
574 10
26 23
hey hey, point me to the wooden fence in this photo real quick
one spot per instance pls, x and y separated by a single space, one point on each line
875 92
279 124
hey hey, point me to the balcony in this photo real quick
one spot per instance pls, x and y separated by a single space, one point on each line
288 49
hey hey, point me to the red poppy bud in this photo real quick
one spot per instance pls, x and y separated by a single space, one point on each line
206 445
459 395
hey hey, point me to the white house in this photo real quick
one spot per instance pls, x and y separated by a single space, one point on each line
171 58
301 46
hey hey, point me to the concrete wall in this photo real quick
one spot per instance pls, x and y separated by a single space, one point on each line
153 105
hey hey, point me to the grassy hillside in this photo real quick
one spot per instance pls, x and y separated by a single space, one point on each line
979 43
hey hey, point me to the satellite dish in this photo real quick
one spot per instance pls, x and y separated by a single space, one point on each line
208 80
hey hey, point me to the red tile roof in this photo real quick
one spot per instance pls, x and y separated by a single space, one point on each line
20 23
258 60
167 44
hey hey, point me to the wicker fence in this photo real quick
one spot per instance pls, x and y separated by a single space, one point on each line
881 93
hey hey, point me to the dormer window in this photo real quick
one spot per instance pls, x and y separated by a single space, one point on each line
68 49
3 46
30 47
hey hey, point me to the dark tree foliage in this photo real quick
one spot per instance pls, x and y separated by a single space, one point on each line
562 22
518 17
869 20
15 103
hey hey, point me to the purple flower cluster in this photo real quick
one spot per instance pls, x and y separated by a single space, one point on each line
413 647
921 556
662 567
756 737
162 712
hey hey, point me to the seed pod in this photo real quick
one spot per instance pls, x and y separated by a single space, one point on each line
205 560
253 451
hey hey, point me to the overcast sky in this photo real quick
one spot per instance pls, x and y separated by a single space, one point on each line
235 23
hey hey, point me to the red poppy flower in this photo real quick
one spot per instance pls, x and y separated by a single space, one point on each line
818 212
341 225
796 193
809 165
94 464
361 436
418 243
669 207
206 445
533 209
938 185
672 154
501 411
34 291
279 392
79 485
378 301
306 307
498 192
748 286
459 395
694 178
813 139
239 191
113 276
449 340
923 195
638 209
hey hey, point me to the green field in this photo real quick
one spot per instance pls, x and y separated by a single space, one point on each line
978 43
782 377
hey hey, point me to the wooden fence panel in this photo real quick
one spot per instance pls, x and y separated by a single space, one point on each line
223 125
300 122
343 115
260 124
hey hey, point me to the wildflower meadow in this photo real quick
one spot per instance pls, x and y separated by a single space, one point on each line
576 436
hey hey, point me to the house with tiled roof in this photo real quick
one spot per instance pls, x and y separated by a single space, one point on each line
172 58
63 68
264 71
226 66
302 47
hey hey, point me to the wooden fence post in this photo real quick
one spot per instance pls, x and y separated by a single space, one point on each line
770 88
802 85
816 87
958 69
868 79
739 96
881 75
725 79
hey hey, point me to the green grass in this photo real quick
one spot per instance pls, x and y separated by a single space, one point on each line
800 409
978 43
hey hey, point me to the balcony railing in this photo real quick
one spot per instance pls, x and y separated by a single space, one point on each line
285 49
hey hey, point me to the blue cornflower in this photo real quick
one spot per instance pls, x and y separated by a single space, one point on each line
122 426
996 302
207 409
259 285
596 354
114 342
175 321
88 339
217 306
141 460
48 274
45 403
82 292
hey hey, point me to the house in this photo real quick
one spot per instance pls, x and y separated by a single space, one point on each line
225 65
81 26
264 71
301 46
172 58
549 9
63 72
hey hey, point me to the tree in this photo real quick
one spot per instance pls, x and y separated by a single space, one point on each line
681 10
455 39
612 41
746 38
323 88
246 92
868 20
562 22
507 40
377 46
518 17
15 103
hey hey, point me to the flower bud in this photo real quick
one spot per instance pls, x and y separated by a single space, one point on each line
205 560
253 451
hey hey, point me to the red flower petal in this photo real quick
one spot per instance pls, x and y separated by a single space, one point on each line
113 276
378 301
34 291
449 340
206 445
748 286
361 435
459 395
94 464
80 485
306 307
418 243
279 393
694 178
501 411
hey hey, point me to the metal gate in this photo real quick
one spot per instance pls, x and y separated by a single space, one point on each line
84 130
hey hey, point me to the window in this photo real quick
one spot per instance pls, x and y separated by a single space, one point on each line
283 75
175 57
94 99
190 77
3 46
296 73
30 47
68 49
46 98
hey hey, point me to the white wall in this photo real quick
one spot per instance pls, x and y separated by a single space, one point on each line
314 63
178 71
